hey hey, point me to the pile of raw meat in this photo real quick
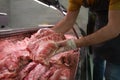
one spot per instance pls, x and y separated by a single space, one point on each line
28 59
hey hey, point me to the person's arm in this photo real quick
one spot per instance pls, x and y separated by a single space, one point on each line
67 22
108 32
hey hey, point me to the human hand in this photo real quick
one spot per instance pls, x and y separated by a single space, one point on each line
66 45
44 51
42 33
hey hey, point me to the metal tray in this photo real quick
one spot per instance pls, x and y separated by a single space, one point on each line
20 34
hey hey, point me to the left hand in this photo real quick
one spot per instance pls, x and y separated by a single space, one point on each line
67 44
44 51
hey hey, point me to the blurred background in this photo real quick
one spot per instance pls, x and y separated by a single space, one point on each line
28 13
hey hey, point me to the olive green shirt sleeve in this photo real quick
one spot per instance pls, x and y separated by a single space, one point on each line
74 5
114 5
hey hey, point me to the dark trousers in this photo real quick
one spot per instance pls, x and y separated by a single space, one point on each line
95 22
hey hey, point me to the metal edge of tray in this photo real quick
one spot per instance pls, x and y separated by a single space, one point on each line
13 32
22 31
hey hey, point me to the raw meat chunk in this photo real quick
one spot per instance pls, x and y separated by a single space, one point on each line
36 73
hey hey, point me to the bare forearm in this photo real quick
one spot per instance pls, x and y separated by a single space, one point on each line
66 23
63 26
100 36
108 32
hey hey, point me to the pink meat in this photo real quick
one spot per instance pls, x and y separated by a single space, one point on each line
56 75
22 45
42 33
39 49
15 62
5 74
33 45
12 47
69 58
5 50
66 74
36 73
48 74
57 72
43 51
25 71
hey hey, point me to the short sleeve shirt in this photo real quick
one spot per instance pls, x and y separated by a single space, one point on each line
114 5
75 4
